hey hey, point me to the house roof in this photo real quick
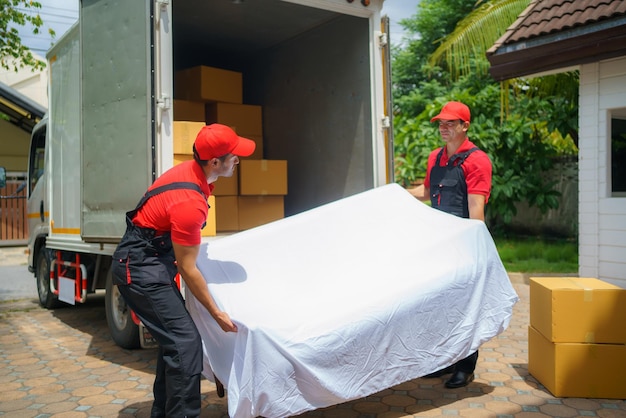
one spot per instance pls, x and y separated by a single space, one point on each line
21 110
558 34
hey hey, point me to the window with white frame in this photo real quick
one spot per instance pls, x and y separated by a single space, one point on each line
618 152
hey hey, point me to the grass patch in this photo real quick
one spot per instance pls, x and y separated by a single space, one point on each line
538 255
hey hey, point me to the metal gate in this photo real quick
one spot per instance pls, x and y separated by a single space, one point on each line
13 221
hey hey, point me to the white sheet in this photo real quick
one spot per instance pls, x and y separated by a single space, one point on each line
346 300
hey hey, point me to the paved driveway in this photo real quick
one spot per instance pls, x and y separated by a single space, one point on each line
63 363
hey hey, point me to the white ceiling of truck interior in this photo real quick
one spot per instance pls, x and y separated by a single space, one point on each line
241 27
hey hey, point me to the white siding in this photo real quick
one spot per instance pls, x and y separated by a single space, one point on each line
588 173
602 218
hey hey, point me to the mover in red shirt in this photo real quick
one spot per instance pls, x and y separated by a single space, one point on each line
458 181
163 238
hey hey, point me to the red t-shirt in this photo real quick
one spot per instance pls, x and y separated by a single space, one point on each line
477 169
181 211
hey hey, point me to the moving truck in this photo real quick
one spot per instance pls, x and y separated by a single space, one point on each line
314 72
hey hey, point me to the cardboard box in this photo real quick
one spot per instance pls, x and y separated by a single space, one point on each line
185 110
184 135
258 210
578 370
227 213
179 158
577 310
208 84
227 186
262 177
210 230
247 119
258 151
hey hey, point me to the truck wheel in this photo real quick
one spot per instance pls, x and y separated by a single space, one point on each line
47 299
123 330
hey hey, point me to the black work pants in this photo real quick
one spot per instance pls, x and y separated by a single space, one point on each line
162 310
468 364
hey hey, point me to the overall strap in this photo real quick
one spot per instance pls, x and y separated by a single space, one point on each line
462 156
167 187
439 157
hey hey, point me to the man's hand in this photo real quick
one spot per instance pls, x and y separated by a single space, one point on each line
186 257
420 192
223 320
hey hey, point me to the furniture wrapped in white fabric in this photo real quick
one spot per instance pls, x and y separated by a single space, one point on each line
346 300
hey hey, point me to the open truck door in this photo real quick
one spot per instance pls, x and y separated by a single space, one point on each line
117 112
119 117
385 50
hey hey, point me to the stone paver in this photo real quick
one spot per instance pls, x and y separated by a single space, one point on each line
62 363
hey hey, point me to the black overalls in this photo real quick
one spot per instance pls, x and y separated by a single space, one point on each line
448 193
144 268
448 189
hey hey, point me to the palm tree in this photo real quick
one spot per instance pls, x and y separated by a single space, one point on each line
463 52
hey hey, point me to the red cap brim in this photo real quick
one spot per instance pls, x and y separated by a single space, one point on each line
244 148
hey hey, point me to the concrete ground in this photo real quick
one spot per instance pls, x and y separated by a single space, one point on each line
63 363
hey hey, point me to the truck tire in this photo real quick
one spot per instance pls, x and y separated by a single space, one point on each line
123 330
47 299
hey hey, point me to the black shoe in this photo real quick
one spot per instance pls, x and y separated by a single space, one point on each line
219 387
459 379
440 373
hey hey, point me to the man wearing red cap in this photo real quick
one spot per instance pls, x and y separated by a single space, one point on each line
458 181
163 238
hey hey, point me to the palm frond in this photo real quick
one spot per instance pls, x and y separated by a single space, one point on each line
463 51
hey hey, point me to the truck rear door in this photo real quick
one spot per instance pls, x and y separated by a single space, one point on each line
388 122
118 112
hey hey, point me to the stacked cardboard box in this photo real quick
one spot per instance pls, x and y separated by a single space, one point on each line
260 199
577 337
254 195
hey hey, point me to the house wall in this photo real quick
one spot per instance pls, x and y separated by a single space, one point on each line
14 144
602 218
32 84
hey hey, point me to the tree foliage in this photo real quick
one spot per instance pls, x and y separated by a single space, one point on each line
523 139
476 33
13 53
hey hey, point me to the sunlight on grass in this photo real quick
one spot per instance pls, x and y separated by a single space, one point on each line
536 255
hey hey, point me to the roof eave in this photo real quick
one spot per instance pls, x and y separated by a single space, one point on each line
21 110
561 50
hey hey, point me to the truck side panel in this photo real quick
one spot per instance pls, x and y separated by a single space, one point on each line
117 113
63 165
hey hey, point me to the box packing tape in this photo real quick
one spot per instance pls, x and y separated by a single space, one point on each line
587 297
587 292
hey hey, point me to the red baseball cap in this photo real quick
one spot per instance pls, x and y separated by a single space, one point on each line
453 111
216 140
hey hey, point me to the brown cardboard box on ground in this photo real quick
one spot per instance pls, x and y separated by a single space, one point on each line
184 135
247 119
208 84
210 229
577 310
262 177
185 110
577 370
258 210
227 213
